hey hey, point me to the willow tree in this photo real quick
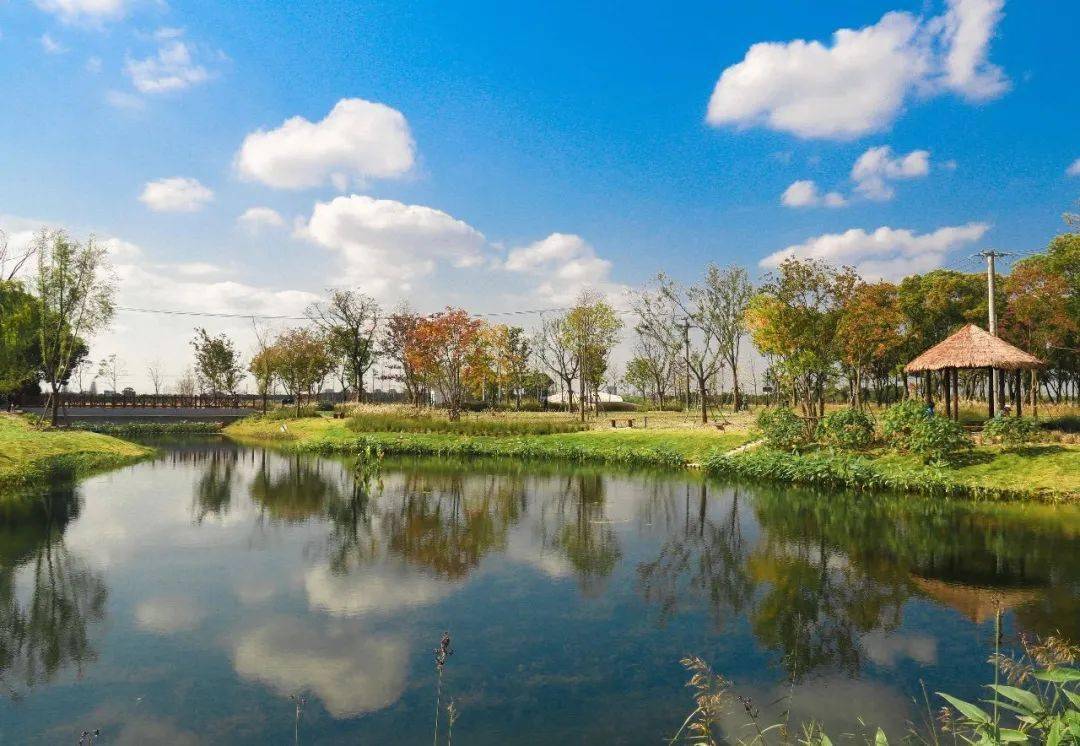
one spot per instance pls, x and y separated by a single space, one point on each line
74 291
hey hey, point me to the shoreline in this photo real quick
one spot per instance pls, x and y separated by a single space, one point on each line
731 456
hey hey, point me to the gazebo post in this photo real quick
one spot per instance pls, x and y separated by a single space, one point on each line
1017 395
928 382
956 393
948 392
990 391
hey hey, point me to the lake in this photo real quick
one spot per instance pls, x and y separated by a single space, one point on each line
210 594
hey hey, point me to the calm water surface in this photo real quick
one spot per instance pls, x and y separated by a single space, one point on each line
188 599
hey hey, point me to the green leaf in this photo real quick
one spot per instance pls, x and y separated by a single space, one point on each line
1008 735
1053 736
968 710
1073 697
1022 697
1059 675
880 739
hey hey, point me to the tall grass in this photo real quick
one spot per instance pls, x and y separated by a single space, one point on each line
371 422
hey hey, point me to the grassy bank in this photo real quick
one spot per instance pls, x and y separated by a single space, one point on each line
146 429
28 455
1045 472
654 447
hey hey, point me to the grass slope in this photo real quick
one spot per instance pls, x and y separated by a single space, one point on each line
27 454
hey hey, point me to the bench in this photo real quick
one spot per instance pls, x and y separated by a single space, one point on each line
628 422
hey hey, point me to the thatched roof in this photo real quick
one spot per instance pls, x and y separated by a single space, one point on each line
976 603
972 347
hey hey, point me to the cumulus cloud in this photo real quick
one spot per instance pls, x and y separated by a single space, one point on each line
385 244
804 193
967 29
256 219
888 253
567 264
356 141
1074 168
877 166
859 83
176 194
172 68
84 11
350 671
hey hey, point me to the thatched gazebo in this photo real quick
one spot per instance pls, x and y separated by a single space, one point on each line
972 348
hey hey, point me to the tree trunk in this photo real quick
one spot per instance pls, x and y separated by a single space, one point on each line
57 392
736 400
704 401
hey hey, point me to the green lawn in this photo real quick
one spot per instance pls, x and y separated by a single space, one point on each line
27 454
1040 467
623 445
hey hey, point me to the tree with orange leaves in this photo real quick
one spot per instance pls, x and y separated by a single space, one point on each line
448 350
1037 315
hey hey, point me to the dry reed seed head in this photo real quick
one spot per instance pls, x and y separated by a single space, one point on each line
945 719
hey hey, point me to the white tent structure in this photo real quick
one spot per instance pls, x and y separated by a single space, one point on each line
560 397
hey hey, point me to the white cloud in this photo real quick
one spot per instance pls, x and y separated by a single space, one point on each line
383 590
877 166
859 83
124 100
967 28
51 45
357 140
386 244
889 253
568 265
173 68
1073 169
256 219
804 193
176 194
350 671
93 65
84 11
885 649
167 615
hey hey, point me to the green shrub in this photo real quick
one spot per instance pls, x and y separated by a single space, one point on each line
937 439
1011 430
324 406
288 412
781 428
900 419
149 428
848 429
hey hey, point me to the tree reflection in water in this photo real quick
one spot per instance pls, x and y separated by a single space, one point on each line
49 598
574 523
830 568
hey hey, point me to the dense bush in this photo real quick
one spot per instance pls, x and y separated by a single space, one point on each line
1011 430
289 413
149 428
781 428
392 423
936 439
849 429
900 419
324 406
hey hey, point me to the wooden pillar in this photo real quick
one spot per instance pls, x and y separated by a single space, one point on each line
947 374
1018 396
956 394
1035 393
928 381
990 391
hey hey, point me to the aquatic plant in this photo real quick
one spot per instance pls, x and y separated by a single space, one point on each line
442 653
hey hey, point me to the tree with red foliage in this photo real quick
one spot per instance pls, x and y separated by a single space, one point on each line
445 349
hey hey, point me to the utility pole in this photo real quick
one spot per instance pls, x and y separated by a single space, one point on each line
996 382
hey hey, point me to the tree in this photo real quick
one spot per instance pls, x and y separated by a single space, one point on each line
668 313
11 262
657 360
350 321
445 350
111 369
795 318
592 329
20 354
727 293
512 352
186 384
217 363
870 330
263 368
638 376
75 299
301 360
398 338
157 376
554 351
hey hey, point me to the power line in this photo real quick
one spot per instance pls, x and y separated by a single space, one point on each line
275 317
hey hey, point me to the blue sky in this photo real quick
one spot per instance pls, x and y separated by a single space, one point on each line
516 156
